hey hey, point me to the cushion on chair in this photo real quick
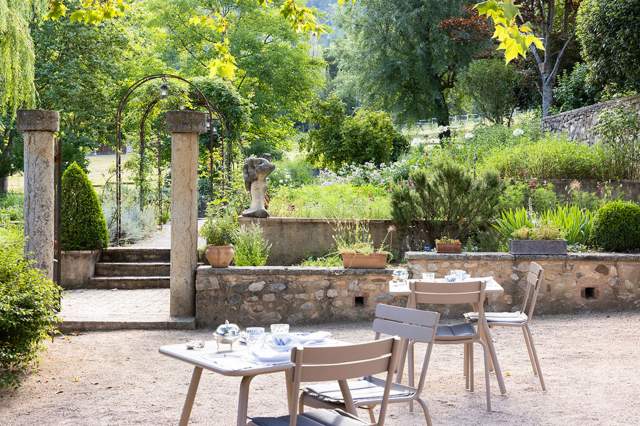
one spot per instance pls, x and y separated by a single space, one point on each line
455 331
516 317
361 390
312 418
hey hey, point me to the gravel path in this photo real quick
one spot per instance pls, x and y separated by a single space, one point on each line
590 364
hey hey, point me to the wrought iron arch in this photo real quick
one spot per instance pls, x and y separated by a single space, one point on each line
211 110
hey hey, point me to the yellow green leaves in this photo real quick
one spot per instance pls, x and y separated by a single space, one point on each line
217 22
514 39
224 65
301 18
90 11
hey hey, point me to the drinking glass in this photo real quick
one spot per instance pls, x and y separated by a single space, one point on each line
279 329
428 276
254 336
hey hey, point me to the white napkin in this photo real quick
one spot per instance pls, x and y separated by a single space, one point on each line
268 355
313 338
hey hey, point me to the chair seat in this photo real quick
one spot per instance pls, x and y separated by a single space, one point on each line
312 418
498 317
366 389
455 331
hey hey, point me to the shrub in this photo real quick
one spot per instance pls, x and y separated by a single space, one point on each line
494 97
337 139
617 226
328 261
136 224
291 173
28 301
619 131
574 90
336 201
549 158
83 226
251 247
450 201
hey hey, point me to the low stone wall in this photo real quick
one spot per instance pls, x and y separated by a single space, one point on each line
296 239
625 189
579 123
576 282
295 295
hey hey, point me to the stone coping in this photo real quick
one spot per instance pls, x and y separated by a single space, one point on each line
592 256
289 270
310 220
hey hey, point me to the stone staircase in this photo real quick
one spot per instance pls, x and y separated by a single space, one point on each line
132 269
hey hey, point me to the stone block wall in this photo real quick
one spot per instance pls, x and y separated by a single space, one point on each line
578 123
576 282
295 295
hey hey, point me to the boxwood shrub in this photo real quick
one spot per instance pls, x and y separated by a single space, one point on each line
28 301
617 226
83 226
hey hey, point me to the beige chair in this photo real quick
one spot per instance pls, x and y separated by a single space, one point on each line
408 324
437 293
318 364
535 277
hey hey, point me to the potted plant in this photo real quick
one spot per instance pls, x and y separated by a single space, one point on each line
541 239
448 245
220 233
355 245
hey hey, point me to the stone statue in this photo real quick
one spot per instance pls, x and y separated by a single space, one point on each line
255 172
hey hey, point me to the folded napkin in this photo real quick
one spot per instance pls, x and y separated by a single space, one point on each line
267 355
312 338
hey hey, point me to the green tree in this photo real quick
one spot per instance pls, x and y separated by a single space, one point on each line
495 97
404 56
610 39
83 226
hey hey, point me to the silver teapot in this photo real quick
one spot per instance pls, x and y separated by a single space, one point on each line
227 334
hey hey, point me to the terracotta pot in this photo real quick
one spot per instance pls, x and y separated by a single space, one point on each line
220 256
364 261
449 247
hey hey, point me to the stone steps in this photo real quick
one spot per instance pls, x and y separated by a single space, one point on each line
135 255
132 269
128 282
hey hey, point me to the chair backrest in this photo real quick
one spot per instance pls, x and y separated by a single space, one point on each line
438 293
408 324
317 364
535 277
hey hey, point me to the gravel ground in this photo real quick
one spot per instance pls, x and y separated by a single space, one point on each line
590 364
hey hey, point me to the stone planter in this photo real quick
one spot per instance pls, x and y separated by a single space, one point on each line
527 247
220 256
78 266
455 247
364 261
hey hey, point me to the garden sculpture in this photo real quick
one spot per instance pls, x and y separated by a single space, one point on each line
255 172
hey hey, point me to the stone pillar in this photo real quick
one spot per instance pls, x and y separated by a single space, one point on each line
185 126
38 128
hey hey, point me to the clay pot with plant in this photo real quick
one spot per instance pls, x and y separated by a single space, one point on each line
356 247
448 245
220 233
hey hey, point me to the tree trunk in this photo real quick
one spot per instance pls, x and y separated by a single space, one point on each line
547 95
442 115
4 185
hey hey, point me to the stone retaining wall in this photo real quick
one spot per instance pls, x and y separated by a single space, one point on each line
295 295
576 282
578 123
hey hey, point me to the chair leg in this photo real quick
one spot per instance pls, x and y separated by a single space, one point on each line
372 414
471 368
466 366
528 343
425 408
535 357
410 370
487 382
301 404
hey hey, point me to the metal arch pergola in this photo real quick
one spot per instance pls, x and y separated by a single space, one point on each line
123 103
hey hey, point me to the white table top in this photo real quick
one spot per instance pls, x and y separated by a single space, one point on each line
492 287
227 362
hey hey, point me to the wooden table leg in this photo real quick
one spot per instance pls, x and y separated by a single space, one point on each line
243 400
191 395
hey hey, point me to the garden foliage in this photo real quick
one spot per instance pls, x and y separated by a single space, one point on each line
448 201
617 226
619 132
83 226
28 301
219 230
251 247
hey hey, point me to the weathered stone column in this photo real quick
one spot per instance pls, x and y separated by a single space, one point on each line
38 128
185 126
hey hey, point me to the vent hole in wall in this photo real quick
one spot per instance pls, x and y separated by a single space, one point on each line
359 301
589 293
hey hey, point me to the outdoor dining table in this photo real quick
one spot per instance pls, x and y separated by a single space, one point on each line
492 290
234 363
